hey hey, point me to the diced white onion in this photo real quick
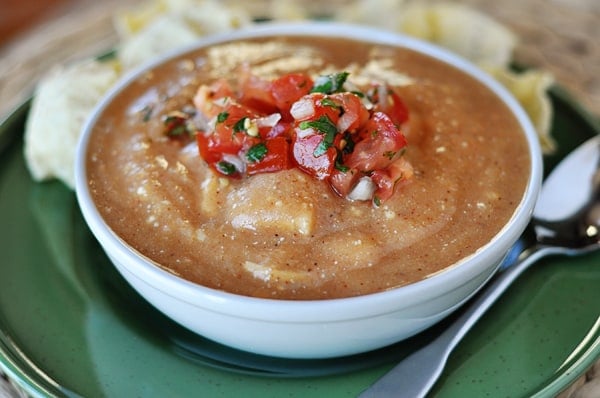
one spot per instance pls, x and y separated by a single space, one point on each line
303 133
236 161
200 122
222 102
212 123
382 94
349 86
190 149
302 109
353 88
344 122
366 102
363 190
268 121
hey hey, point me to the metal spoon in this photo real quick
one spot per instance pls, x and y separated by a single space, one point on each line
566 221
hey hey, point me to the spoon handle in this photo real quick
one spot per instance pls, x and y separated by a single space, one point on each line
415 375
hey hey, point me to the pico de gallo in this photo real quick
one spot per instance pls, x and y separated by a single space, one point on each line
325 127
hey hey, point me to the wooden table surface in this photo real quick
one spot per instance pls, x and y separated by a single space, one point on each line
561 36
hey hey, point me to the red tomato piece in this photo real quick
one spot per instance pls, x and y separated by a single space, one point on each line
276 159
354 115
342 182
303 149
392 105
288 89
207 94
388 179
224 139
379 144
385 184
256 94
204 148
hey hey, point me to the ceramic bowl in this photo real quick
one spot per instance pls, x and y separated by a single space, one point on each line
315 328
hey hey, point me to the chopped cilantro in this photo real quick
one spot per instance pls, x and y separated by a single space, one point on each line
341 166
256 153
221 117
175 125
329 102
147 113
349 143
325 126
390 154
226 168
240 125
329 84
177 131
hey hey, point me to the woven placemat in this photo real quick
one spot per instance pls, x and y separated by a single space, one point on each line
561 36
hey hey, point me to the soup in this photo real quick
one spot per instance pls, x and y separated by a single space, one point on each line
287 234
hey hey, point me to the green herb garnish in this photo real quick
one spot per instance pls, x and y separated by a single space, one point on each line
226 168
329 84
330 103
147 113
348 143
256 153
340 166
390 154
177 131
176 124
240 125
325 126
221 117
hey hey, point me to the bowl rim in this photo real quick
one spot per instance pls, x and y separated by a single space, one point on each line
336 309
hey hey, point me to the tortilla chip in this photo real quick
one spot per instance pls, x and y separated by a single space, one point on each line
162 35
131 21
461 29
530 88
63 101
287 10
178 26
383 14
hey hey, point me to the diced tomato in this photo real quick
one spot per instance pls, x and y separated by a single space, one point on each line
385 184
392 105
379 145
203 140
207 94
342 182
224 139
288 89
256 94
388 179
276 159
354 114
303 149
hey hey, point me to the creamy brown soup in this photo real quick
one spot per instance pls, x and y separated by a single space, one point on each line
286 235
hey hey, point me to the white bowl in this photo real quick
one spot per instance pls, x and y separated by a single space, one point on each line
316 328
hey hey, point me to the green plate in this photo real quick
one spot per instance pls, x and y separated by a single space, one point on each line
71 326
